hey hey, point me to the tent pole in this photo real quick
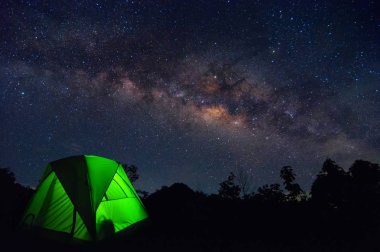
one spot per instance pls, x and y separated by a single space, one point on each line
74 221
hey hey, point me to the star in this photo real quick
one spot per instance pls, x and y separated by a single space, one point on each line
186 91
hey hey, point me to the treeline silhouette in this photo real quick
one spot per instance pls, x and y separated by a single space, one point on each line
341 213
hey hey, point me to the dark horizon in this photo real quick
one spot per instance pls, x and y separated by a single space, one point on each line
249 180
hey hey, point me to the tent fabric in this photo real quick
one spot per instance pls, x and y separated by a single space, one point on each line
86 197
100 173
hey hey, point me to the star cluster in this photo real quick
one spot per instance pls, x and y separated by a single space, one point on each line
190 90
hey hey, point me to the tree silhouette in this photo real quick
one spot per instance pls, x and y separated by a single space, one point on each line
366 174
228 189
131 171
294 190
331 185
270 193
365 186
7 178
14 197
142 194
243 179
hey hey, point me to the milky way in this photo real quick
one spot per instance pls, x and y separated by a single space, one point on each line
188 91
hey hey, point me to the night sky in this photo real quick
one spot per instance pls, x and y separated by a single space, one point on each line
190 90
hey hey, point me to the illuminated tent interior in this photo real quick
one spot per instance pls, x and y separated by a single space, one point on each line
84 197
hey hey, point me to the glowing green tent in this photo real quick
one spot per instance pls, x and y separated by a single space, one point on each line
84 197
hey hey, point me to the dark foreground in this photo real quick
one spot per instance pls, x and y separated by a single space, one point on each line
195 222
221 231
343 214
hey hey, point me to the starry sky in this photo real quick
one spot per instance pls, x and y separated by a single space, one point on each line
190 90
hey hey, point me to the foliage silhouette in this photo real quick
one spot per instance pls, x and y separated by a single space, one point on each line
7 178
228 189
244 181
364 198
331 187
131 171
366 176
14 198
294 190
270 193
142 194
